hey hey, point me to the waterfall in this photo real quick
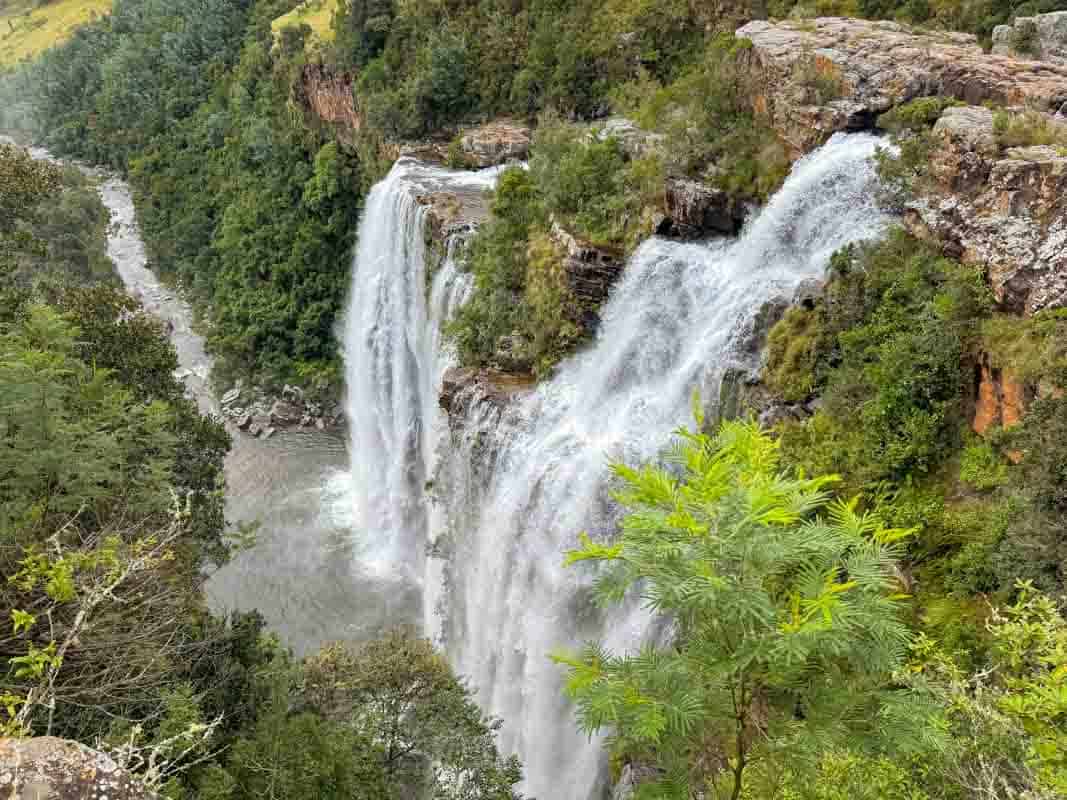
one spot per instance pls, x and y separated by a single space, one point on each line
393 363
680 316
513 489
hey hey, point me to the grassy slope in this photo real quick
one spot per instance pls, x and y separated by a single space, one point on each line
26 30
315 13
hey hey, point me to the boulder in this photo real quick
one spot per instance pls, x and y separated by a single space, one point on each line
231 396
283 412
696 210
811 78
1042 37
266 433
47 768
496 143
1004 211
244 421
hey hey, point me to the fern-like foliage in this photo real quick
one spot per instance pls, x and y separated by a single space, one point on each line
786 609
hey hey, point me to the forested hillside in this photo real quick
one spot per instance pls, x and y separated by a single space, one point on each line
866 580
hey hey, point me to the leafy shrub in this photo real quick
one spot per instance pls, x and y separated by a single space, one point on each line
1028 128
916 115
900 321
794 346
981 467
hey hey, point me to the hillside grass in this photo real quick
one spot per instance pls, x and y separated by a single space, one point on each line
27 29
316 14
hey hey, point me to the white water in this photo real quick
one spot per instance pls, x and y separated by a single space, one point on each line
514 490
393 364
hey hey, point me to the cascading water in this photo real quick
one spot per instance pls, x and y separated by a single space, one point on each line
679 318
513 489
393 364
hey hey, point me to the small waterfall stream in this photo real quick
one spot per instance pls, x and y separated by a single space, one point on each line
512 490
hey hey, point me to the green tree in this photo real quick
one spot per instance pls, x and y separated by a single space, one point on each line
785 608
400 693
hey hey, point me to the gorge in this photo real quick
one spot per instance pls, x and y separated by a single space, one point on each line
497 497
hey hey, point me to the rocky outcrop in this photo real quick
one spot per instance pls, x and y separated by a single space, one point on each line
591 271
449 213
1043 37
329 96
463 386
1000 399
695 210
47 768
634 140
811 78
262 415
1006 211
496 143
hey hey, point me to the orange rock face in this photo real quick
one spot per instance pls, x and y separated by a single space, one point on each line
1000 400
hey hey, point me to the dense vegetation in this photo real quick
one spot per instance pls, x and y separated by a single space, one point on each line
111 507
894 631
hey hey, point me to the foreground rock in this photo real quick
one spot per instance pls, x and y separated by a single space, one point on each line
1043 37
814 77
1006 211
47 768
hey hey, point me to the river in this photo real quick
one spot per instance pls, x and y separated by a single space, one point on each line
301 574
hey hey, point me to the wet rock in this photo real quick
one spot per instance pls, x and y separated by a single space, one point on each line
1042 37
46 768
482 386
809 292
450 213
294 394
320 424
1004 211
244 421
811 78
255 429
266 433
696 210
496 143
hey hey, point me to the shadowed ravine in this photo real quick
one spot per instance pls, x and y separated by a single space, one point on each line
511 493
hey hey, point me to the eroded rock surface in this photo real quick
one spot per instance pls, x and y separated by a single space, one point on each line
1005 211
695 209
329 95
463 386
496 143
449 213
1043 37
591 271
811 78
46 768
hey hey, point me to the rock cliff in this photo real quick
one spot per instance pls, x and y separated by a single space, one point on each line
1004 210
47 768
329 96
811 78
